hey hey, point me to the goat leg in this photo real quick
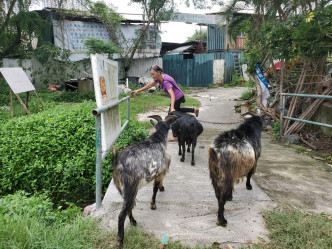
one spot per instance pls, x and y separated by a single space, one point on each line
161 186
183 145
189 144
130 193
179 144
131 218
193 152
155 190
221 208
248 185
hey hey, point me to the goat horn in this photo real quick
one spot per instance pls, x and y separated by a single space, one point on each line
156 117
170 117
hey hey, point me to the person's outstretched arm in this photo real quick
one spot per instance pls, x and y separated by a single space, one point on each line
146 87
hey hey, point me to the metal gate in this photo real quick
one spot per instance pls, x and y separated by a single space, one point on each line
196 72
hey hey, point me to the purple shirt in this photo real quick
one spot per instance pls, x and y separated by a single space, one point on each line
169 83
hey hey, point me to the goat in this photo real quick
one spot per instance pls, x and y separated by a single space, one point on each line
139 164
187 128
233 155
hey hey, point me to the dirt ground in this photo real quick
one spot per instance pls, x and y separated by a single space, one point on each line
187 209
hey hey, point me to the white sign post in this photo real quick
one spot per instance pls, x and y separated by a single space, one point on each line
18 82
107 114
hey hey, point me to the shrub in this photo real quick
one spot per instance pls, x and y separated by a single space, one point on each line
247 95
276 129
54 152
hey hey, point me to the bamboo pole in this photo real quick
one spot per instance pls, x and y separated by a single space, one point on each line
298 89
281 97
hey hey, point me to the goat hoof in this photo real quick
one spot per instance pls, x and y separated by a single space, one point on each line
120 243
180 154
133 222
188 150
182 159
192 163
153 206
162 189
249 187
222 223
230 198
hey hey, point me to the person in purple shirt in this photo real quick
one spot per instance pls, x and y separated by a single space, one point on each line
169 86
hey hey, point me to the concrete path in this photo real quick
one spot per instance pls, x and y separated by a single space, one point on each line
187 210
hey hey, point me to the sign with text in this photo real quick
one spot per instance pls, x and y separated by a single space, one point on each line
105 79
195 18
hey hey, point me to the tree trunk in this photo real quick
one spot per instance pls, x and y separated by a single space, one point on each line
10 10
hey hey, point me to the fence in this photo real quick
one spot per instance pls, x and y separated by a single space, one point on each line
100 156
298 119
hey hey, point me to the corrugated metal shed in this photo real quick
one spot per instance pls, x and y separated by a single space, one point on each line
216 38
196 72
228 56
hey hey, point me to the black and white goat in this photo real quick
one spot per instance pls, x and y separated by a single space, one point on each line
139 164
186 128
233 155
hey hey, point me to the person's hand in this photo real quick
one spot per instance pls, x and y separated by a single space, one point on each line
173 110
132 93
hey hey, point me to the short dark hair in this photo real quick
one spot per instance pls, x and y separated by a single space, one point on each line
156 68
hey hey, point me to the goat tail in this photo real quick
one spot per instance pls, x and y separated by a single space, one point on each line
116 172
220 174
115 159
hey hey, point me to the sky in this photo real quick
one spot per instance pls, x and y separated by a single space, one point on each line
177 32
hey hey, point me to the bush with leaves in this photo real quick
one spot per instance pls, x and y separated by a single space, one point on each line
53 152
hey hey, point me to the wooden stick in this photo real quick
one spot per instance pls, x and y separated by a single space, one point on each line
25 108
307 143
28 100
39 99
11 103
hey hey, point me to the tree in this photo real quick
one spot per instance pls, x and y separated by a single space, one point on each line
154 11
199 35
17 30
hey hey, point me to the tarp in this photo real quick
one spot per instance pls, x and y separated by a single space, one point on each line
263 84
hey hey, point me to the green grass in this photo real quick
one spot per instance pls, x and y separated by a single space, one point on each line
30 232
291 227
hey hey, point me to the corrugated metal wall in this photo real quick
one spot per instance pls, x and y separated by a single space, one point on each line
228 56
203 69
140 67
196 72
216 38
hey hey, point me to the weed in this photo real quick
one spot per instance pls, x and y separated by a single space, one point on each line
291 227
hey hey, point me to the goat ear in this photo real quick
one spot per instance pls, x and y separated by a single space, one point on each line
153 122
156 117
169 118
